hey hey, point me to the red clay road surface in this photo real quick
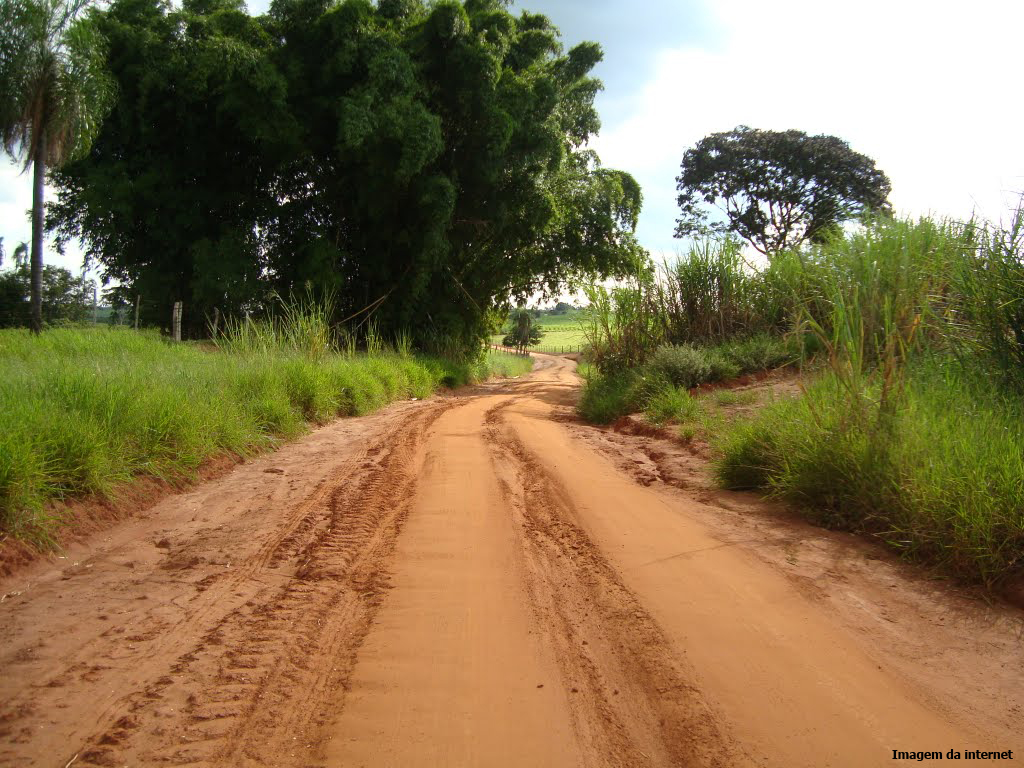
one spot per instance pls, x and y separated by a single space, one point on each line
480 580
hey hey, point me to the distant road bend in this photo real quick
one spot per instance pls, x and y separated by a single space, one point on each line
479 580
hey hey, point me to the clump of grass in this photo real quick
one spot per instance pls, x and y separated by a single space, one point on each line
721 366
301 324
757 353
940 480
672 405
606 398
506 365
85 411
990 314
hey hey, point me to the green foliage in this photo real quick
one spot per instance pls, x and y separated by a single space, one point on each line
712 294
777 189
989 319
561 328
907 435
672 404
183 176
86 411
523 332
66 299
623 323
496 363
606 398
391 155
54 90
684 366
54 93
734 397
657 387
756 353
939 481
300 325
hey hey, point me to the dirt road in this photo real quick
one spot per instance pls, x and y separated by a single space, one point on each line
478 580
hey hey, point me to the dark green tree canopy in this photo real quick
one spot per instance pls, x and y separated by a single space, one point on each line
423 162
777 189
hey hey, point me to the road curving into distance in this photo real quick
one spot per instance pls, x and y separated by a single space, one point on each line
479 580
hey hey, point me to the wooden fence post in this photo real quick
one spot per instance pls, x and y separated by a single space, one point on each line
176 321
138 298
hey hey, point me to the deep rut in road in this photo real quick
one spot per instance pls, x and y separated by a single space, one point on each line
636 702
252 690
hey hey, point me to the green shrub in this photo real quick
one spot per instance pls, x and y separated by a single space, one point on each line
757 353
606 398
722 367
683 365
644 385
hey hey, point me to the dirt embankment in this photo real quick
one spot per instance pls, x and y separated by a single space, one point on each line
479 580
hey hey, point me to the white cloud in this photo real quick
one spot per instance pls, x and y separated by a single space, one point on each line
928 89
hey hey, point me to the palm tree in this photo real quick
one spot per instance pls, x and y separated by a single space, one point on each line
54 91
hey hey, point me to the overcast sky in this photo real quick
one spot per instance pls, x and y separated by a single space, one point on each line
928 88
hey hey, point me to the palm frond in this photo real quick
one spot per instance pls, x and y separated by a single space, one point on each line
53 82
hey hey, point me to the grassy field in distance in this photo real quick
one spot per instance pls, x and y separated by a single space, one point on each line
564 330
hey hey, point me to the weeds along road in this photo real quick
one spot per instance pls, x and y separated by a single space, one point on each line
477 580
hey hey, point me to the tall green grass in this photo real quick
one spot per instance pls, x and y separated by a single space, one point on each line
941 479
906 435
912 429
85 411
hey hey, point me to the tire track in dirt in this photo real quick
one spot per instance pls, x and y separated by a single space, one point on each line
476 581
253 646
633 700
453 671
249 692
163 640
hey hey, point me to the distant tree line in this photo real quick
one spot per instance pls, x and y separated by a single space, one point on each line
423 163
65 298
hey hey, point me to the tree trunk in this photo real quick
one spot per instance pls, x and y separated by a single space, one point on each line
38 180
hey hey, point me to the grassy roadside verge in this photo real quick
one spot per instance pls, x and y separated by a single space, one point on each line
86 411
940 479
911 431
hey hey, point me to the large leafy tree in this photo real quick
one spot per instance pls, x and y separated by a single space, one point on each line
443 173
181 181
776 189
423 163
54 93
